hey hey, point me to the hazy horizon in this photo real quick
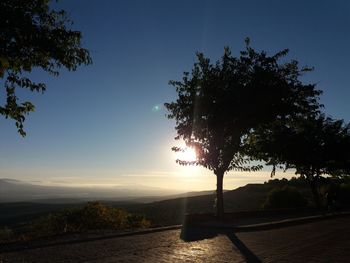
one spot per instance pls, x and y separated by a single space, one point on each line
191 179
14 190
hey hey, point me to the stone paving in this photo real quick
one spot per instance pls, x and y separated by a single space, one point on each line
323 241
154 247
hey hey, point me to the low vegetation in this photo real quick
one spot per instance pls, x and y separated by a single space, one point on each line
93 216
344 193
6 234
51 219
285 197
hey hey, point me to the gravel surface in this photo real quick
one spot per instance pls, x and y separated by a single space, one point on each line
322 241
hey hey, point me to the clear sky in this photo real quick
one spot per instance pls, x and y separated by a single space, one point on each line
101 124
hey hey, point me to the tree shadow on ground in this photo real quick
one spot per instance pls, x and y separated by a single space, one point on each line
190 234
248 255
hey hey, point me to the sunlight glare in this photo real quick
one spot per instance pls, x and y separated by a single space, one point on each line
188 155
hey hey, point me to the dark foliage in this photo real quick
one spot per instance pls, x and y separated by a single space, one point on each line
344 194
220 104
34 36
284 197
312 145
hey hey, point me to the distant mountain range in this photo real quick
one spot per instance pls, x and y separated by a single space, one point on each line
16 191
12 190
22 202
161 210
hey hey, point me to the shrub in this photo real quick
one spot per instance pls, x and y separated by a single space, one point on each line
93 216
344 193
5 234
284 197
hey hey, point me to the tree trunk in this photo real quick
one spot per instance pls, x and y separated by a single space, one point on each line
219 196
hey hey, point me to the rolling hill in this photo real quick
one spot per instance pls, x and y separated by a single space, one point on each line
161 212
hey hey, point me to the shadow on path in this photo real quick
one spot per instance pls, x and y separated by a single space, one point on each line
248 255
190 234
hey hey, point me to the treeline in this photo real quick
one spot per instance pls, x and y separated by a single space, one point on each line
295 193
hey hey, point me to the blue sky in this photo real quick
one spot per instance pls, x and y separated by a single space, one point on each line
97 126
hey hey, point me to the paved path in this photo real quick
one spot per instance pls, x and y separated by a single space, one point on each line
323 241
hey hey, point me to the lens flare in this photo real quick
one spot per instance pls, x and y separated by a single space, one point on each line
156 108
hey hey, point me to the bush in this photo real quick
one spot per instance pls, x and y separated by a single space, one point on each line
344 193
5 234
284 197
93 216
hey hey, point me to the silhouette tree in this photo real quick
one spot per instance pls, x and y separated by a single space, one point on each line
313 146
34 36
220 104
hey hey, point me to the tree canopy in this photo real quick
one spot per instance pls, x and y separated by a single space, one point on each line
34 36
220 104
313 146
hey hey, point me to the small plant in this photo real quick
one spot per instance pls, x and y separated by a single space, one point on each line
284 197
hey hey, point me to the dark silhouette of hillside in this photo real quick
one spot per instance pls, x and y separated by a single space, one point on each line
170 211
163 212
247 198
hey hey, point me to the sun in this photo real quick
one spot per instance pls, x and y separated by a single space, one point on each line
188 155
